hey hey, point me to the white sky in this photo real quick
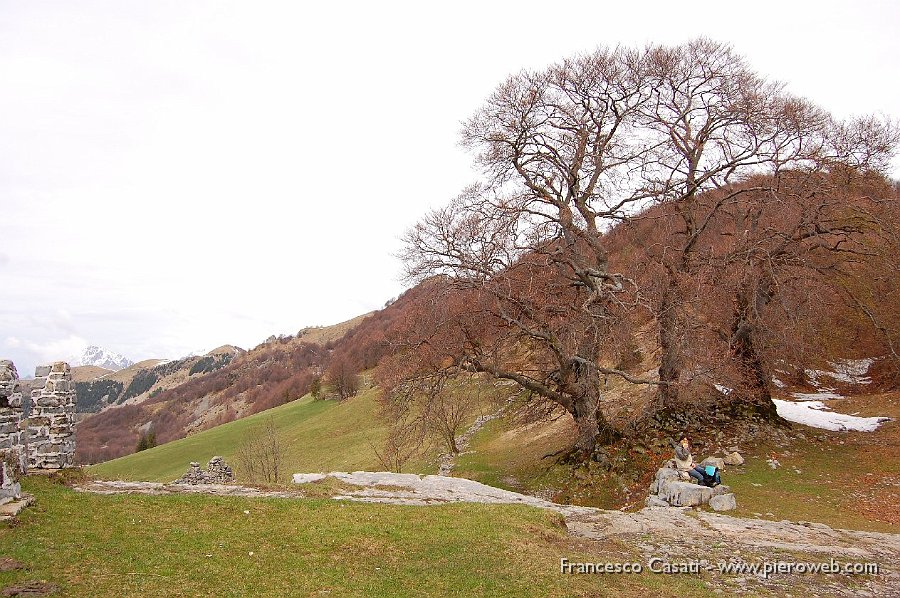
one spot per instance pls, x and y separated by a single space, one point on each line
176 175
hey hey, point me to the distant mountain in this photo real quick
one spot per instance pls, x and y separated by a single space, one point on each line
104 358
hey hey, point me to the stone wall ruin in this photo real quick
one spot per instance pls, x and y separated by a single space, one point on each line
12 435
45 438
51 423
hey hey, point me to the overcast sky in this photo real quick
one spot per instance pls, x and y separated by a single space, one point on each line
179 175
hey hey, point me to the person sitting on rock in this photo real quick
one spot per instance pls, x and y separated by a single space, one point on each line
684 462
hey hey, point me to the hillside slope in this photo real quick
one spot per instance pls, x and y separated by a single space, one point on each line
315 435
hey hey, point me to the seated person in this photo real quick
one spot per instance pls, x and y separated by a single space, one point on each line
684 462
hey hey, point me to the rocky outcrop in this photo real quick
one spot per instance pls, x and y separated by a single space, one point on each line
412 489
51 422
669 489
217 472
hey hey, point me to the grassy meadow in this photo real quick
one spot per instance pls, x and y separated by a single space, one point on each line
314 435
196 545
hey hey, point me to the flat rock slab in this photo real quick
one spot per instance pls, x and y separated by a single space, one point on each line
13 508
412 489
158 488
688 524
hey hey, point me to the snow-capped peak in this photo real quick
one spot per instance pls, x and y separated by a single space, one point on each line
103 358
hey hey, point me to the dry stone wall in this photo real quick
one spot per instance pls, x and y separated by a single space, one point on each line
45 439
12 435
51 423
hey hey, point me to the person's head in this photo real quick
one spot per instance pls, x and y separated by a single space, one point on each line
685 442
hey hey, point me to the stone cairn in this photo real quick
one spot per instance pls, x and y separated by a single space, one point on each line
12 437
51 423
217 472
670 489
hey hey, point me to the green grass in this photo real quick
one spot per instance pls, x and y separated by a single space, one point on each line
823 491
314 435
195 545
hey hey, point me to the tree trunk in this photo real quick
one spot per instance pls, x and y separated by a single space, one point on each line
670 357
743 347
591 425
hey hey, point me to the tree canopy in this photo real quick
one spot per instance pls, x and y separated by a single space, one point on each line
564 155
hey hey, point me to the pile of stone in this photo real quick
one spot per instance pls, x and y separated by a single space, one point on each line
51 423
670 489
217 472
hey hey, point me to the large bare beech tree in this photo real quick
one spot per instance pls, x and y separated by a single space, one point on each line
718 123
566 153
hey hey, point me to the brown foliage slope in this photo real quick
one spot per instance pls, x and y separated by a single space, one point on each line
265 377
788 280
269 375
828 305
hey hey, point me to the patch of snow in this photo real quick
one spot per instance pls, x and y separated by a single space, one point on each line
814 375
817 415
778 383
848 371
851 371
723 389
816 396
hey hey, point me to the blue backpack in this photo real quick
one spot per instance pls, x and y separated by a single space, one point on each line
711 476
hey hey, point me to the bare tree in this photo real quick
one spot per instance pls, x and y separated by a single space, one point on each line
559 154
407 437
343 378
568 152
719 125
260 454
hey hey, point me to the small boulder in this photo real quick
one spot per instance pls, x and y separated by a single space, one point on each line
655 501
733 458
685 494
665 474
723 502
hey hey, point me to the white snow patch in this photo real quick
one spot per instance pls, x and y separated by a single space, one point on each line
778 383
816 396
723 389
851 371
817 415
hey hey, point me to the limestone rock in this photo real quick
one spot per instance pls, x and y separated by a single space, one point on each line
655 501
664 475
306 478
685 494
723 502
721 489
733 458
